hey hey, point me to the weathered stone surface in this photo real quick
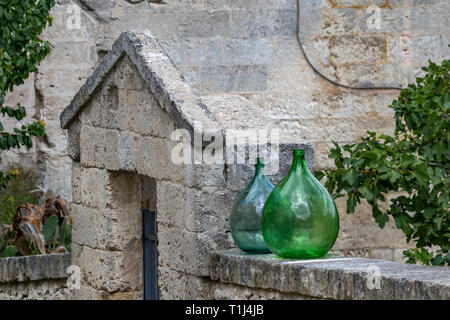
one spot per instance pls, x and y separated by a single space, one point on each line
41 277
245 57
110 271
176 285
324 26
160 75
99 148
94 188
34 268
227 291
331 277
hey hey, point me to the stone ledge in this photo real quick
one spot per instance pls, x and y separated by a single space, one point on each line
331 277
33 268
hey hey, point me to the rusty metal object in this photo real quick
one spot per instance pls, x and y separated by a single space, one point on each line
26 232
27 224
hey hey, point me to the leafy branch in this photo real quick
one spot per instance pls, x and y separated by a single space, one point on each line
414 161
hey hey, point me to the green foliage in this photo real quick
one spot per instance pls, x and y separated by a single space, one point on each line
10 251
415 161
56 235
50 228
21 50
17 193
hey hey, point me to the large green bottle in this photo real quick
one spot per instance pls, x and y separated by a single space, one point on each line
245 218
300 219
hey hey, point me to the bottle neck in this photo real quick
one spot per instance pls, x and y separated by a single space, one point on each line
299 162
259 167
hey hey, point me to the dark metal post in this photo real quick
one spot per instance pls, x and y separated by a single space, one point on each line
151 290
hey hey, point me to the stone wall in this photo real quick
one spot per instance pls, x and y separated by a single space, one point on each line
247 53
120 125
331 277
120 131
245 61
41 277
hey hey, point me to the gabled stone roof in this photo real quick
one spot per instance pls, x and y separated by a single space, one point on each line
167 84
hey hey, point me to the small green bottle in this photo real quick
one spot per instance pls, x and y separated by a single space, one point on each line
245 218
300 219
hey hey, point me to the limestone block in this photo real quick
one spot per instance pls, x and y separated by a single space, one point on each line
57 175
192 209
54 81
109 271
382 101
173 23
338 21
118 227
393 75
358 49
205 175
295 105
343 104
186 251
398 49
322 150
357 75
177 285
262 23
95 189
92 112
392 21
72 53
431 18
47 289
310 16
73 140
87 228
71 23
286 78
144 115
218 51
126 76
445 49
23 94
99 148
111 113
33 268
358 3
247 51
331 277
401 3
76 182
154 159
234 78
127 153
230 109
382 254
224 291
243 4
426 48
288 51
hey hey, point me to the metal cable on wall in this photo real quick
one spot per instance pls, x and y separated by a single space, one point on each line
324 76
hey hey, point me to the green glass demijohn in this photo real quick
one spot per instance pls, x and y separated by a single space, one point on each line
300 219
245 218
